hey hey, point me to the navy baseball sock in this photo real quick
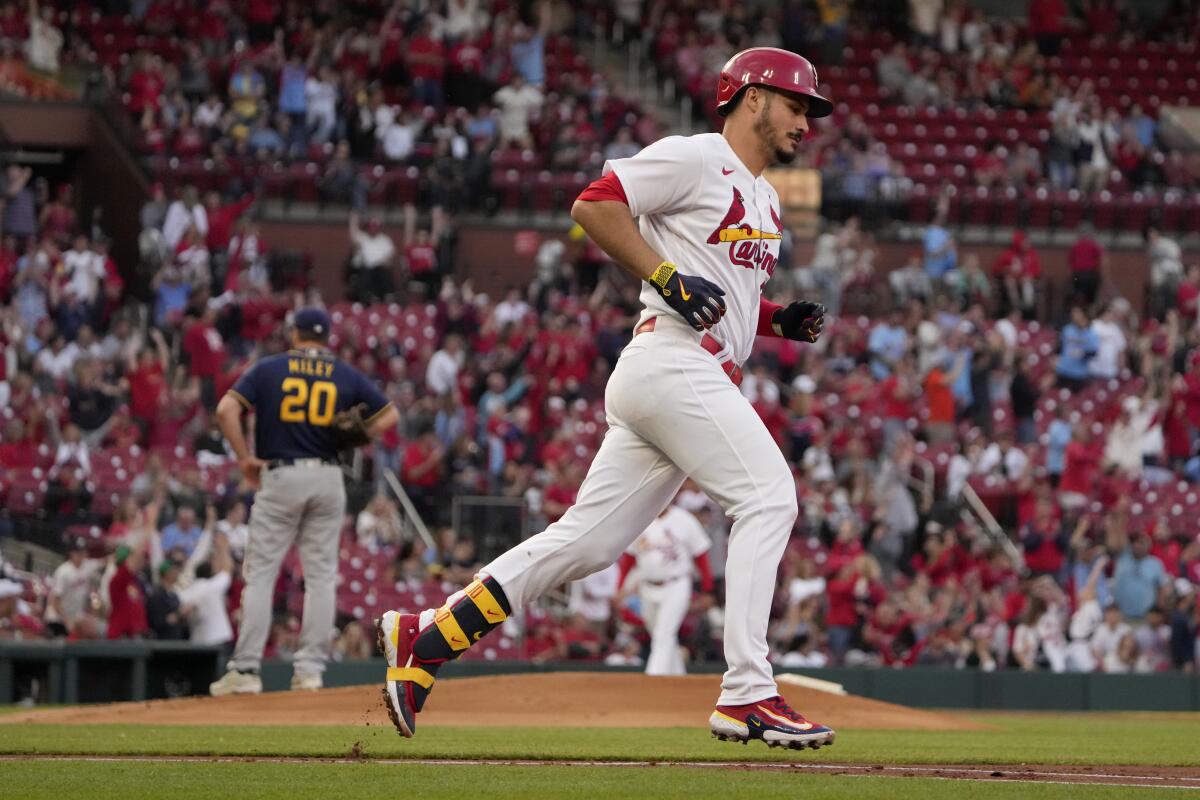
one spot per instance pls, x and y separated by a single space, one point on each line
456 627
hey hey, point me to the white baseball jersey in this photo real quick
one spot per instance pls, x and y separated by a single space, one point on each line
666 549
700 208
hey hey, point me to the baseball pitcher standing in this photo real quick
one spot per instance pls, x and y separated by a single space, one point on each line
659 563
304 401
694 218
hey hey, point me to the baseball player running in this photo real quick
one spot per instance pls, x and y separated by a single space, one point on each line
694 218
302 400
660 562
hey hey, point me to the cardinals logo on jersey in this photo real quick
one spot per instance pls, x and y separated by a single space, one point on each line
747 246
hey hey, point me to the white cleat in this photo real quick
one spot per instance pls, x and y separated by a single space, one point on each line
234 682
307 681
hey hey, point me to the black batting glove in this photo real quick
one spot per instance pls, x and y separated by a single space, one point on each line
699 301
801 321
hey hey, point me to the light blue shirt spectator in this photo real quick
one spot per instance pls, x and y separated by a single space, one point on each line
528 59
1080 573
1192 469
31 297
169 297
1145 127
1056 447
887 344
1137 578
183 533
940 254
1078 346
292 99
482 126
265 138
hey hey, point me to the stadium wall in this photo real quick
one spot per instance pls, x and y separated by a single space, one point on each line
497 256
83 672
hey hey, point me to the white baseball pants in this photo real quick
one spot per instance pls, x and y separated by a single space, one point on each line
673 412
664 605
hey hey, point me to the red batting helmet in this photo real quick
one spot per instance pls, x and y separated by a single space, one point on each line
778 69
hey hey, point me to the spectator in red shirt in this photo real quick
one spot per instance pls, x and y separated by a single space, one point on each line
582 642
1165 546
221 218
260 17
1189 296
889 632
1018 271
773 416
562 491
17 451
943 558
1047 24
1177 434
427 66
847 546
851 596
146 84
1044 540
420 259
939 399
1080 466
422 469
148 382
1101 17
205 350
989 166
465 84
127 597
898 396
8 266
1087 260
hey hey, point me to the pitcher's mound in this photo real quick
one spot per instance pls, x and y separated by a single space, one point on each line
574 699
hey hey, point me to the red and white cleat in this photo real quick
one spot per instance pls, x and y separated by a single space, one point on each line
407 684
773 721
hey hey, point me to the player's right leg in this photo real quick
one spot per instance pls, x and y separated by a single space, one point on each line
272 530
628 484
715 436
317 544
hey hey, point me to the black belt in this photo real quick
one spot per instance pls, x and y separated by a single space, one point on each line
301 462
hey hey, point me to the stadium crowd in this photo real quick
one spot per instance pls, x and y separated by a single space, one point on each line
937 93
1079 435
234 91
1081 441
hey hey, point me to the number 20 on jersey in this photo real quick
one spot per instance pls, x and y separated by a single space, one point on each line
304 402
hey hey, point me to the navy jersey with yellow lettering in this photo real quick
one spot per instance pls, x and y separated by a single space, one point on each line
294 396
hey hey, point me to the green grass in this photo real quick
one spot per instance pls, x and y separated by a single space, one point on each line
239 781
1159 740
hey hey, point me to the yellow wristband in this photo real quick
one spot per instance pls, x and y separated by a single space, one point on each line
663 274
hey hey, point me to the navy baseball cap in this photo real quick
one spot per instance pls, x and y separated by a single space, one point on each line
311 319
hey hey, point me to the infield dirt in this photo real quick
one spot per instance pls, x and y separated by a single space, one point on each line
572 699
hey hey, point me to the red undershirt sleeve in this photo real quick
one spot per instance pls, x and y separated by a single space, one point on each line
607 188
766 312
624 564
702 566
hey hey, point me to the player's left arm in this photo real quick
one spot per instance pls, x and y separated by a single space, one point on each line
381 414
800 321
